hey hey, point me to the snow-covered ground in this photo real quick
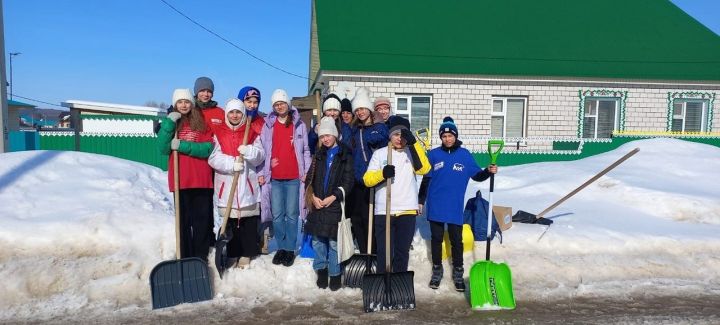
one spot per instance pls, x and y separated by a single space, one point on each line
79 234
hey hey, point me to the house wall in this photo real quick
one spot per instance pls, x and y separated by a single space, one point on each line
552 107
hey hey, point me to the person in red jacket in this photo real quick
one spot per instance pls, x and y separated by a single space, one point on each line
214 117
245 209
213 114
185 131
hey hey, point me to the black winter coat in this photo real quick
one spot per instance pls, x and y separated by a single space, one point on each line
324 222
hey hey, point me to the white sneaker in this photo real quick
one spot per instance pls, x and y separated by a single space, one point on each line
243 262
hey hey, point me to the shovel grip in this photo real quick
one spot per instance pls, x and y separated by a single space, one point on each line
492 144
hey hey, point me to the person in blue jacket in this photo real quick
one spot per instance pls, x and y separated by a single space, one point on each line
443 190
369 133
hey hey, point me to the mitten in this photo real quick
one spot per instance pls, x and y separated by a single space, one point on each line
174 116
407 136
238 166
388 171
175 144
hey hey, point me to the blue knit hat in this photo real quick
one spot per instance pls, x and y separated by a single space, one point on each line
249 91
448 125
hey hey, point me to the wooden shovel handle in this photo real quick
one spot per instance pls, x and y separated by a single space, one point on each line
594 178
236 176
176 193
388 264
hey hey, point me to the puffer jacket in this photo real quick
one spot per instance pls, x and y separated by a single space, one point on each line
302 153
247 192
324 222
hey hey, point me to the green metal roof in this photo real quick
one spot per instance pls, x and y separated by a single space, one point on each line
628 39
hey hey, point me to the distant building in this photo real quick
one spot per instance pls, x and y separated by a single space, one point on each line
109 118
15 112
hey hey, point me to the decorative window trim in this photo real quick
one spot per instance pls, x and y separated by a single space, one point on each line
582 94
672 96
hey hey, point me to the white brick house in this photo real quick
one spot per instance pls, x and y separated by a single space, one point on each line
540 95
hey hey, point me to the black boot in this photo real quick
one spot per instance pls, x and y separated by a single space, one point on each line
322 278
279 257
289 258
437 274
335 283
458 278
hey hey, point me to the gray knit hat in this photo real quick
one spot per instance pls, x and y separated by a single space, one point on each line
204 83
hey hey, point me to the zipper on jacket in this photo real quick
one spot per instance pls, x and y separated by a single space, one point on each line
362 146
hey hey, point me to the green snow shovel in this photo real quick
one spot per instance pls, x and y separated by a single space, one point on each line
490 282
180 280
389 290
224 237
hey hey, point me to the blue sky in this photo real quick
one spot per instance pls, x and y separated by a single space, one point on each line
135 51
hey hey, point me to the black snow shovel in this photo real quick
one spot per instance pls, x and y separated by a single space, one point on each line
523 215
224 237
360 264
180 280
389 290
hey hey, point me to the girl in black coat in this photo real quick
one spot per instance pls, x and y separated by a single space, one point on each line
331 169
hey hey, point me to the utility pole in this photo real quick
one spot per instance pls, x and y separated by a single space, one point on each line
3 89
11 72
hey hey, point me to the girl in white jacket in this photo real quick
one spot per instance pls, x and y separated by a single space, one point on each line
232 154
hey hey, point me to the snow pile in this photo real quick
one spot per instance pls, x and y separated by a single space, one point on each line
81 232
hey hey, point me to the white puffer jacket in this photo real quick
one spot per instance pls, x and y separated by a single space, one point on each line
247 195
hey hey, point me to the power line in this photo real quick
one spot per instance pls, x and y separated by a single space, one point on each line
35 100
233 44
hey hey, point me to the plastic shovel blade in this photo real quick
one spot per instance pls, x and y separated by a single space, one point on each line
221 252
357 267
491 286
179 281
388 291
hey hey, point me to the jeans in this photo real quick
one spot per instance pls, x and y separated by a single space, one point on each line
326 255
285 205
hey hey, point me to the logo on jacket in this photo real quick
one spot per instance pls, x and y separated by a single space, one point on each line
439 165
458 167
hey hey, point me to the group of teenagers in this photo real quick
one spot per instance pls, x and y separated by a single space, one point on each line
357 147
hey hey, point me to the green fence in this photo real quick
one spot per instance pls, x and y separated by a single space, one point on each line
588 149
140 146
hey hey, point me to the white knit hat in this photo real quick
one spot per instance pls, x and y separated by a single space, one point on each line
331 103
327 126
184 93
232 105
362 99
279 95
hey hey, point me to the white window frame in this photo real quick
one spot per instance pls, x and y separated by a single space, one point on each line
703 117
616 121
503 113
408 111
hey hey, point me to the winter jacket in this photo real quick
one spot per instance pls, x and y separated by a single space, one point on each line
447 181
302 153
195 147
214 115
324 222
403 194
247 193
365 140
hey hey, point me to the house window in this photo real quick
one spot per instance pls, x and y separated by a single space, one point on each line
689 116
507 118
601 117
415 108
